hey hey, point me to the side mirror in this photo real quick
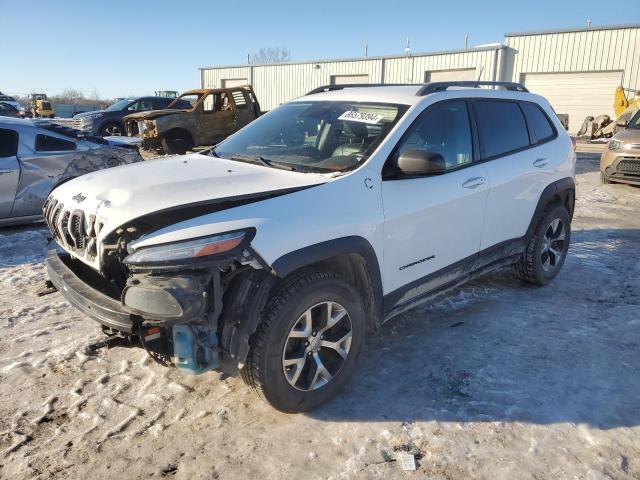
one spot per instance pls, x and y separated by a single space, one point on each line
421 162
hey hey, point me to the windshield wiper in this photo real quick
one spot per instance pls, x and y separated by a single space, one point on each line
260 160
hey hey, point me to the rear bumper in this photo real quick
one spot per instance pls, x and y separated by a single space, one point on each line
96 305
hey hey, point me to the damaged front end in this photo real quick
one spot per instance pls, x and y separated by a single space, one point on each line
175 299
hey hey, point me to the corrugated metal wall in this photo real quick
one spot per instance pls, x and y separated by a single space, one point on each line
597 49
276 84
587 50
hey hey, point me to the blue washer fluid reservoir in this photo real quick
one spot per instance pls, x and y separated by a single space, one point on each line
194 349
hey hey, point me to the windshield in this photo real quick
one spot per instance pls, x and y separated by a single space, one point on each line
186 101
119 105
6 98
315 136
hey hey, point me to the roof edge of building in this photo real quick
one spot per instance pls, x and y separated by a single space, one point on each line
571 30
359 59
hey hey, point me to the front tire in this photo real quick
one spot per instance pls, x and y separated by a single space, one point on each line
111 130
547 248
176 143
604 180
308 345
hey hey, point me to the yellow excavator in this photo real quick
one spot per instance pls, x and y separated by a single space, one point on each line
625 107
602 126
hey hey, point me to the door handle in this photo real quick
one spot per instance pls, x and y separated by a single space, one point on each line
540 162
474 182
6 171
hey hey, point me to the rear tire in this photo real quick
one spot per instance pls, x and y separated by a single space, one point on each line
176 143
308 344
547 248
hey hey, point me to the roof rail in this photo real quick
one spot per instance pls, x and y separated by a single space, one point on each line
442 86
330 88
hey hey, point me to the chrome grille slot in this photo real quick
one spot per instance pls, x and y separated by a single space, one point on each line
629 166
76 229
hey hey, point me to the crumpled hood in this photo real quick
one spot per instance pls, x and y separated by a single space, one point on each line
121 194
150 115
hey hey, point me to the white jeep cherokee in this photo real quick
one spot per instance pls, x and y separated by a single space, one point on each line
277 251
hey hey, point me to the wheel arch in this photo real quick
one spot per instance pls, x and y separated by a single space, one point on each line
352 257
177 130
561 191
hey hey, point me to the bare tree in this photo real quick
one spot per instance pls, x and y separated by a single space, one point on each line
271 55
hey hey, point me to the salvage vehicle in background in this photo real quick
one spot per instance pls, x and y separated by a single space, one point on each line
11 101
278 250
109 122
620 161
8 110
212 115
36 156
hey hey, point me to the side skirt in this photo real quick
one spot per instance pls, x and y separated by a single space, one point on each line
437 283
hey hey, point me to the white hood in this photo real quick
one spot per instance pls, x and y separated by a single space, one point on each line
120 194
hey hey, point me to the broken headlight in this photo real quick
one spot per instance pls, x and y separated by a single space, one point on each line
614 145
187 250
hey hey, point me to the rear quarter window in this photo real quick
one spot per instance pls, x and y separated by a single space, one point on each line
501 127
540 127
45 143
8 143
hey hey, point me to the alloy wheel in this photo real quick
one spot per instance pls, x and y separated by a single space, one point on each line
317 346
113 131
553 245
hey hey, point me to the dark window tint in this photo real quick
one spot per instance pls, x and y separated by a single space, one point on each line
45 143
8 143
539 126
502 127
444 129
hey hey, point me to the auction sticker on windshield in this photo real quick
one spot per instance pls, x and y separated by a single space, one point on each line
363 117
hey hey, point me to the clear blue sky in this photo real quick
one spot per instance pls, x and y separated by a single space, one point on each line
121 48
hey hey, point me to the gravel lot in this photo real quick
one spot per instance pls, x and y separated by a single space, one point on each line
497 380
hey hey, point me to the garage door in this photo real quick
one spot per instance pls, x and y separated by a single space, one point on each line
577 94
343 79
450 75
234 82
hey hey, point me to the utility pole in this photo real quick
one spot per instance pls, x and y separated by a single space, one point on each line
466 42
407 49
366 50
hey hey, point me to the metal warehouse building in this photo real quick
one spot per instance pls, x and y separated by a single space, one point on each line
577 70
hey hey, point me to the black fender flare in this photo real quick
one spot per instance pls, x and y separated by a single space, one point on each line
563 190
328 249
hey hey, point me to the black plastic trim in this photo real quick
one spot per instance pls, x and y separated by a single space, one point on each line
451 275
297 259
91 302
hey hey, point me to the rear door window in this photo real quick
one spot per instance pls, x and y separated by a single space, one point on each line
540 128
8 143
45 143
501 127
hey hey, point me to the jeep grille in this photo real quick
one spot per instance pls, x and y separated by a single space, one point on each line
72 229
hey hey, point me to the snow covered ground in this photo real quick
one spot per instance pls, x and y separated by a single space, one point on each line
499 380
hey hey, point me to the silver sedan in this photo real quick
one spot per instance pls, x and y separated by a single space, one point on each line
37 156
